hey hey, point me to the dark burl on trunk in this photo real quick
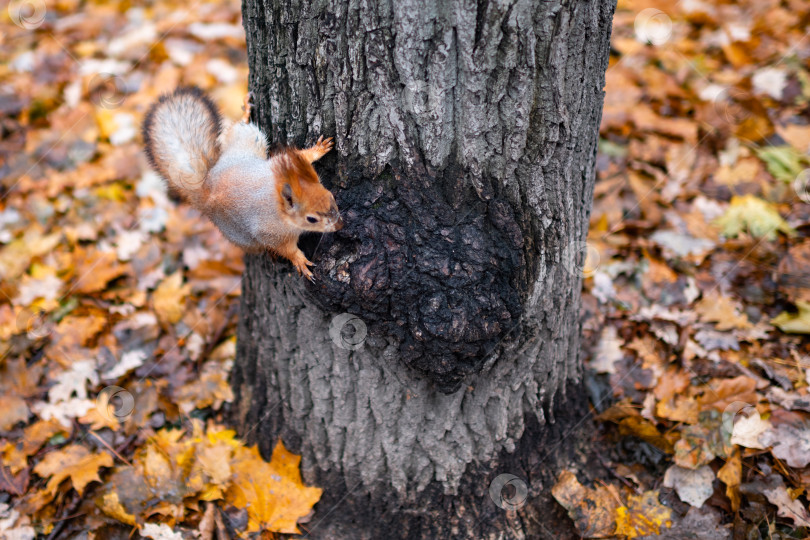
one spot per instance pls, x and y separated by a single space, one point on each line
465 141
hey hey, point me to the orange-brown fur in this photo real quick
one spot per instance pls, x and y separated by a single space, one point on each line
294 170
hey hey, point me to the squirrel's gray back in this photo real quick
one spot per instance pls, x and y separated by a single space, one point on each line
243 200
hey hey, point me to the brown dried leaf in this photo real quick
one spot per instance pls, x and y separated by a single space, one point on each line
13 410
723 311
721 393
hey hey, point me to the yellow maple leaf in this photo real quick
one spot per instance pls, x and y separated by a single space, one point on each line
169 298
111 505
73 461
272 493
642 516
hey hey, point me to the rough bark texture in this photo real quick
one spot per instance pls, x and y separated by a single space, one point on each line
465 140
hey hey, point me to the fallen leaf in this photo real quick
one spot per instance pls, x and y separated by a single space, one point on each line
753 215
705 523
696 447
211 389
95 269
608 351
593 510
74 331
111 505
646 431
13 410
128 243
63 411
74 462
783 162
35 435
48 288
681 244
790 401
797 135
13 457
272 493
13 526
731 475
16 377
694 487
14 484
129 361
790 441
74 380
748 431
723 311
673 382
793 272
16 256
773 487
206 529
721 393
642 516
678 409
711 340
794 323
169 298
770 81
159 532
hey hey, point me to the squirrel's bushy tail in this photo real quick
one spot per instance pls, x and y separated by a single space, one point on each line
180 133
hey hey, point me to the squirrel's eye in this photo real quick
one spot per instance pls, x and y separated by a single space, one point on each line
312 219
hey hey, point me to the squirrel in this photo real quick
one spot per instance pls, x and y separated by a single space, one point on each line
258 203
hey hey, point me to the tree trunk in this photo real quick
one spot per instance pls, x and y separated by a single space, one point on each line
440 340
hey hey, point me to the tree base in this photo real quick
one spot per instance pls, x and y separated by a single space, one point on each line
346 512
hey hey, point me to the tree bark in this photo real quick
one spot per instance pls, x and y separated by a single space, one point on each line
438 347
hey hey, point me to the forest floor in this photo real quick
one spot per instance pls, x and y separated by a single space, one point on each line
118 306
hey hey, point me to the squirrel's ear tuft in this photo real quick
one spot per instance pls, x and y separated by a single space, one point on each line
287 197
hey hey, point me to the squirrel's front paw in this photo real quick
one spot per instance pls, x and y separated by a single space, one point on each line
301 263
324 145
317 150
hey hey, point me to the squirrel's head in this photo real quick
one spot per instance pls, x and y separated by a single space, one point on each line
304 203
